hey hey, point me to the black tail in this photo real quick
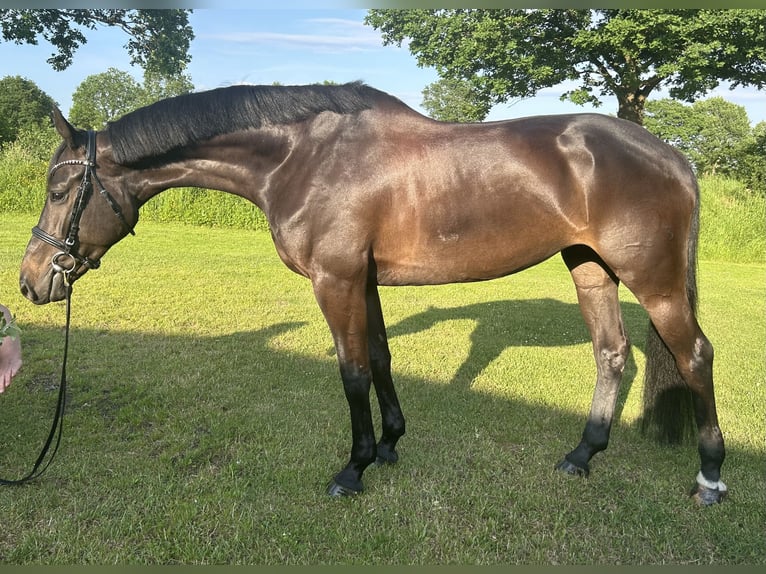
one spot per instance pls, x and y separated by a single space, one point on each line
667 402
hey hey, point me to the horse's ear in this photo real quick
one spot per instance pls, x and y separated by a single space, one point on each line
73 137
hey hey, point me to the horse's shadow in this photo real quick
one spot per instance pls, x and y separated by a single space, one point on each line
504 324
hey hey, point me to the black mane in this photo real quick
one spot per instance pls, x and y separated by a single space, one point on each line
176 122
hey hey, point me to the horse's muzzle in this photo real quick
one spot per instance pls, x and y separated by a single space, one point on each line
53 289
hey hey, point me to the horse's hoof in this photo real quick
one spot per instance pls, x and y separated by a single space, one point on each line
707 492
569 468
338 490
386 456
705 496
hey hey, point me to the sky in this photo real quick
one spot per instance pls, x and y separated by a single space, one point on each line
290 46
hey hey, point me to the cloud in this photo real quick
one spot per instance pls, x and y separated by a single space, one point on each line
337 36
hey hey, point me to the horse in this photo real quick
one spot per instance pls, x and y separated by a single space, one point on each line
360 190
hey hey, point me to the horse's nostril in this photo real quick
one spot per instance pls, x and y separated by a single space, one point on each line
26 290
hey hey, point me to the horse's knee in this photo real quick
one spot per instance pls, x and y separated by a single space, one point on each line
380 361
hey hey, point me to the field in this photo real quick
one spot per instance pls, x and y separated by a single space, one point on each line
205 416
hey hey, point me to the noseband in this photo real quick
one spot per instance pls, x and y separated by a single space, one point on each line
68 247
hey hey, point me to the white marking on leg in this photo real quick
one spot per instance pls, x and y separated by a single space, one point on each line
719 486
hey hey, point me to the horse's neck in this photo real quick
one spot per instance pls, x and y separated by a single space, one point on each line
240 164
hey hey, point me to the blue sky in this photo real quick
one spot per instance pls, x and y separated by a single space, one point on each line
290 46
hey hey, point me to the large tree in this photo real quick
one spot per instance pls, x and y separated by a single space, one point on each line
23 105
623 53
158 39
752 170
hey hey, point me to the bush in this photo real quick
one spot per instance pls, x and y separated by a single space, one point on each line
23 168
22 180
732 221
204 207
38 143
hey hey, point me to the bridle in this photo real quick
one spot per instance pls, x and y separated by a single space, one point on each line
68 247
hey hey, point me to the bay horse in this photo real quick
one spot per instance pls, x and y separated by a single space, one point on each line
360 190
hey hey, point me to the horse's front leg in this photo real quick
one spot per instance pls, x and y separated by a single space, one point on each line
343 304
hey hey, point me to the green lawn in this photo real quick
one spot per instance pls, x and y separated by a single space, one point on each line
206 415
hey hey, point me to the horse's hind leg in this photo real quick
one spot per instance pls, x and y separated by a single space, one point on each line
380 361
674 320
600 306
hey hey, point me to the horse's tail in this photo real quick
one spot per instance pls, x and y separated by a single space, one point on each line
668 410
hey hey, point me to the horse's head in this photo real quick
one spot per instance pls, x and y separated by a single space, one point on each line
85 213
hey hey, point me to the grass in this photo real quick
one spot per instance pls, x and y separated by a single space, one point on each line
206 414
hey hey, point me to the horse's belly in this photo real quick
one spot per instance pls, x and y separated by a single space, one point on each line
455 260
489 229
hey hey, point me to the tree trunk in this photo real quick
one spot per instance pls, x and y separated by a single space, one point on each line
631 107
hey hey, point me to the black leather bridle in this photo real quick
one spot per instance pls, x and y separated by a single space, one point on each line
68 247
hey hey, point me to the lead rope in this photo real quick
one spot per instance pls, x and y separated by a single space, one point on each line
57 428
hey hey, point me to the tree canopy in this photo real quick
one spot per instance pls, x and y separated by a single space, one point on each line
158 39
512 53
451 100
158 86
753 167
716 137
104 97
23 105
712 133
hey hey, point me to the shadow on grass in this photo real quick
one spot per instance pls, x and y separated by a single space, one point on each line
500 325
239 420
133 383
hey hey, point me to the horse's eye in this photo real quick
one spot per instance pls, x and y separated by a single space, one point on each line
57 196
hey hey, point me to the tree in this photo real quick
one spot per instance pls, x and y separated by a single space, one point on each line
714 133
23 105
452 100
752 169
101 98
104 97
672 121
159 86
724 133
509 53
158 39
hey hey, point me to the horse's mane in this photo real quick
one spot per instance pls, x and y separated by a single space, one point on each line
169 124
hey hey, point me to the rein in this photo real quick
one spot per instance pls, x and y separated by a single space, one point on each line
57 428
68 249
